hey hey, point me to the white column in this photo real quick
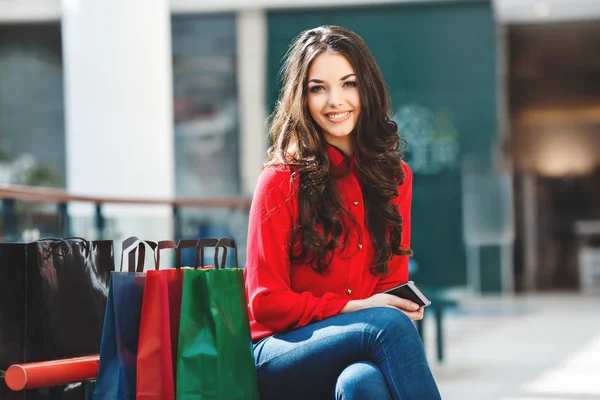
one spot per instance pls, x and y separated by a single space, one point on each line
251 69
119 125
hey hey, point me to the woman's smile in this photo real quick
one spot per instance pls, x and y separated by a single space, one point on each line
338 117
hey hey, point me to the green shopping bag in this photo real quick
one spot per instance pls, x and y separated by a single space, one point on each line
215 359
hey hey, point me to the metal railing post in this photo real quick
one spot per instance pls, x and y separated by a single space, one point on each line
64 224
100 221
177 228
9 216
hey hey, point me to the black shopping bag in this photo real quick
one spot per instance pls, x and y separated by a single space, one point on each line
52 302
12 311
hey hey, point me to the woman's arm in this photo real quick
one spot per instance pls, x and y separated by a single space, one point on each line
272 301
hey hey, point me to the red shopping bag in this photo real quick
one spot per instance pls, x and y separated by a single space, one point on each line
159 324
160 310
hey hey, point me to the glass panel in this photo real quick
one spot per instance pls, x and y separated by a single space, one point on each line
205 106
206 124
32 142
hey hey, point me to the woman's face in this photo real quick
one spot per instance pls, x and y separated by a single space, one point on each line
333 98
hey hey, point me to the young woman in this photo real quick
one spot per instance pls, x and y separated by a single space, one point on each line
329 232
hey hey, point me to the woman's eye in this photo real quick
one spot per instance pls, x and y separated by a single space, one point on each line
316 89
350 84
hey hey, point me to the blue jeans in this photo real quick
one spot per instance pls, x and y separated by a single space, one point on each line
375 353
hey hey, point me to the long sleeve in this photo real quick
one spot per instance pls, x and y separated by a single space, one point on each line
398 265
272 302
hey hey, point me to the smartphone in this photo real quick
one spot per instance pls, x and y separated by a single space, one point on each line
410 291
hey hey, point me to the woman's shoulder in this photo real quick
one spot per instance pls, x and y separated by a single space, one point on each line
275 189
276 173
407 171
276 176
404 186
407 178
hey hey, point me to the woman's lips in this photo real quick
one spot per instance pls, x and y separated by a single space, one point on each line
338 117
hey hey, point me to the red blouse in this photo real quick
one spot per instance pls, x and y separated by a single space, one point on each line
282 296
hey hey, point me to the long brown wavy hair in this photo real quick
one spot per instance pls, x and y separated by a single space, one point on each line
297 141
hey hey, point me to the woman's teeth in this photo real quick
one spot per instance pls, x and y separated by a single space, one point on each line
338 116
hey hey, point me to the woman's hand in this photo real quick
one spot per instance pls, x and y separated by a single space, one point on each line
409 308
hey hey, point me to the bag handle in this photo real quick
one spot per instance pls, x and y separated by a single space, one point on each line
200 246
76 238
129 246
52 249
125 245
223 244
84 242
163 244
183 244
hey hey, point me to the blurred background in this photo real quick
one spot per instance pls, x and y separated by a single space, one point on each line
120 107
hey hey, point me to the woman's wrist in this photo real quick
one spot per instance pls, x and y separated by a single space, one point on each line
353 305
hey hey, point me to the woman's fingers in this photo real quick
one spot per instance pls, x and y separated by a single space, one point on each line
414 315
403 304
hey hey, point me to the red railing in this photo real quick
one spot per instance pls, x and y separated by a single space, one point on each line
47 195
9 195
51 373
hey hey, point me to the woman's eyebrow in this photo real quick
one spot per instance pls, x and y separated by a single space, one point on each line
343 78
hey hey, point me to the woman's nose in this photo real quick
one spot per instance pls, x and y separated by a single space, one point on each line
336 98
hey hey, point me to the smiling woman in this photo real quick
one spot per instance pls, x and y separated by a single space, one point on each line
329 232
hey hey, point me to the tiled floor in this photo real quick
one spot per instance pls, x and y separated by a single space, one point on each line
543 347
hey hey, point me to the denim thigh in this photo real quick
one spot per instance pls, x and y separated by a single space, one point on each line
305 363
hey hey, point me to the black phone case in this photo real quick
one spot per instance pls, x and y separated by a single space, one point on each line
405 292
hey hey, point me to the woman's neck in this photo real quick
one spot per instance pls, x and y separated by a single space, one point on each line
343 143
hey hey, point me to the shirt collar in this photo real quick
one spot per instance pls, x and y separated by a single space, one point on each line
339 163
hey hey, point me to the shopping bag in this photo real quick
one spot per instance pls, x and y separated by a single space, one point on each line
13 311
215 358
72 275
159 329
118 351
159 324
52 299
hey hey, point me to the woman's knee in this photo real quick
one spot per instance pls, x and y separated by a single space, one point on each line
389 321
361 381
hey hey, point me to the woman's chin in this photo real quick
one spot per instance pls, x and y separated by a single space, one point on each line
339 133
